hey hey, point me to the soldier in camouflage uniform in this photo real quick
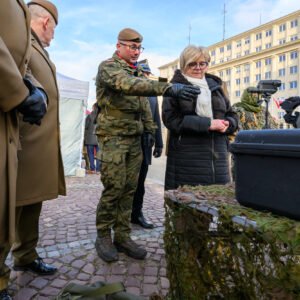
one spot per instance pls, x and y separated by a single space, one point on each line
125 114
251 117
251 114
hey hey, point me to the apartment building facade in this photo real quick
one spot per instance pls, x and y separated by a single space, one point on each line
269 51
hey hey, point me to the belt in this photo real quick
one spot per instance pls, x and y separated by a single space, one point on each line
122 115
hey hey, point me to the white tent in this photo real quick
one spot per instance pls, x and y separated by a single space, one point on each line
72 107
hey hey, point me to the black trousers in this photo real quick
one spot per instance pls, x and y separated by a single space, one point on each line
138 198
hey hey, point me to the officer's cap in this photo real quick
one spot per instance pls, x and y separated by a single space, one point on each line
49 6
128 34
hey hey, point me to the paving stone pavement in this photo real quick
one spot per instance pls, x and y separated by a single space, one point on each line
67 235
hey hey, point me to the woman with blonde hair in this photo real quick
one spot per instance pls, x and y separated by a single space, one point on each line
199 128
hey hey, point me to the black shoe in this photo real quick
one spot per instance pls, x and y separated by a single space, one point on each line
140 220
38 267
106 249
4 295
130 248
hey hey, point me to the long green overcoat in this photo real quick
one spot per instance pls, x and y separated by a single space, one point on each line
40 170
14 57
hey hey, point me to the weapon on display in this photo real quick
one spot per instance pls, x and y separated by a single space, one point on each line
265 89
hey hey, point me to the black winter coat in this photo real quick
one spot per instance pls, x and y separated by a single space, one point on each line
195 154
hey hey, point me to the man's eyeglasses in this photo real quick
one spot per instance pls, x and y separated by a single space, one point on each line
133 47
201 64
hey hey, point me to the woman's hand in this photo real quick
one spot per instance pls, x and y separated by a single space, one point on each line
219 125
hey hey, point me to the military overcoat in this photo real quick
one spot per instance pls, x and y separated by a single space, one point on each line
40 172
14 56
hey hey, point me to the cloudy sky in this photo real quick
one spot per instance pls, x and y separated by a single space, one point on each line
87 29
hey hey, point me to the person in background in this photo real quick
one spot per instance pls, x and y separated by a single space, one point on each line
198 130
90 140
122 88
251 113
16 95
137 216
40 171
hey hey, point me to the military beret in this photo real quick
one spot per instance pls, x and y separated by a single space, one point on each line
50 7
128 34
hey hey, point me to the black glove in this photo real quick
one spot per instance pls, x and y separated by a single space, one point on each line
183 91
157 152
148 140
290 104
34 106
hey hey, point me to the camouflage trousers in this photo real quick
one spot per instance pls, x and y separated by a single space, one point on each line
121 159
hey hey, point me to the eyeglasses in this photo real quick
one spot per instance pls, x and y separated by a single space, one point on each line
201 64
133 47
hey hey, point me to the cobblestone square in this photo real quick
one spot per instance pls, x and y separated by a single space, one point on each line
67 235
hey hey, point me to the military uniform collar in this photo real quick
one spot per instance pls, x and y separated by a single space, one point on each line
35 36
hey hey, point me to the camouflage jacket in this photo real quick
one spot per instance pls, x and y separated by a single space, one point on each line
251 120
121 95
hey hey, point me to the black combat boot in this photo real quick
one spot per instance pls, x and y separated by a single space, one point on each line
4 295
130 248
106 249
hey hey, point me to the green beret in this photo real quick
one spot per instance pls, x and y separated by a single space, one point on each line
50 7
128 34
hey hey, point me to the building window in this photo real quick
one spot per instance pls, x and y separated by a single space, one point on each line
258 77
293 84
282 87
221 49
246 52
294 23
228 71
294 55
269 45
238 69
294 70
247 40
228 58
281 57
213 53
268 61
258 49
237 93
227 83
246 79
246 67
282 41
213 63
282 27
294 37
228 47
269 32
268 75
258 64
238 81
221 74
238 44
281 72
258 36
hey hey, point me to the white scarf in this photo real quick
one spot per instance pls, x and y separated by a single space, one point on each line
203 105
